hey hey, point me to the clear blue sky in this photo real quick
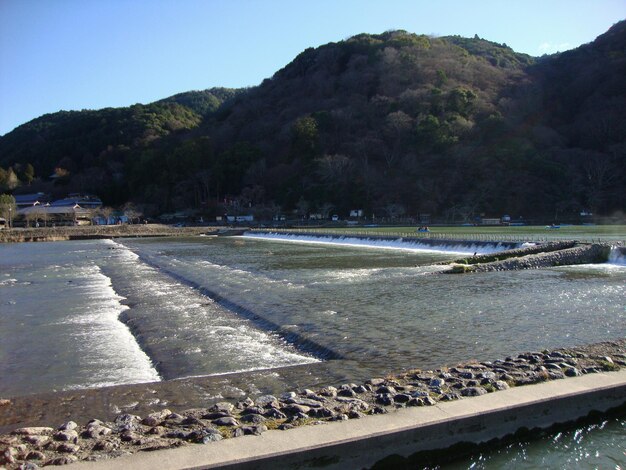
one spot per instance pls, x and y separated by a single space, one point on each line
89 54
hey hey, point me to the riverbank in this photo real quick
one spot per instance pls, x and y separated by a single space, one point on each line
168 427
93 232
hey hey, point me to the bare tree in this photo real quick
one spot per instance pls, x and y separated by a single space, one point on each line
334 169
397 125
106 212
302 206
132 212
326 209
34 215
395 210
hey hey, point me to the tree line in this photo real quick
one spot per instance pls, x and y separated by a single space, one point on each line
393 123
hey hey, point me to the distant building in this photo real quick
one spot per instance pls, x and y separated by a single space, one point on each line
29 200
240 218
86 201
57 215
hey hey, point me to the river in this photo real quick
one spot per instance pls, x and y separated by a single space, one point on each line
94 313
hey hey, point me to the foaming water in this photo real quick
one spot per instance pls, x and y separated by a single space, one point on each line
187 333
617 256
212 306
390 308
59 326
400 243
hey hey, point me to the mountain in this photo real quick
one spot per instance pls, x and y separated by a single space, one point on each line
203 102
393 123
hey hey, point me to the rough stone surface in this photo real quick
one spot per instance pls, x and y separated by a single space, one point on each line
163 429
579 254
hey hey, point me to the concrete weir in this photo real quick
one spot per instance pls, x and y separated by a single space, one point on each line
362 443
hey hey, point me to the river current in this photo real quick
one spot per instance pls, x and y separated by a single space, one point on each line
95 313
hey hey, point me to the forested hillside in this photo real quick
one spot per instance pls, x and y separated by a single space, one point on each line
392 123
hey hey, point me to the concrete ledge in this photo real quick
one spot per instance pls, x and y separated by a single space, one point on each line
361 443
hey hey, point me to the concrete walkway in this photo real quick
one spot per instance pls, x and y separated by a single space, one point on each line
361 443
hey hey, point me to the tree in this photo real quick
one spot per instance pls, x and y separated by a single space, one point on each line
395 210
106 212
304 138
334 169
397 125
325 209
303 207
12 180
132 212
7 208
31 216
29 174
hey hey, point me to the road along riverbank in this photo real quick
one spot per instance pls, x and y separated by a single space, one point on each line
50 234
424 410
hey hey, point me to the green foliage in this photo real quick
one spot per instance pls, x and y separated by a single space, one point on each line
460 100
434 135
451 126
86 136
7 206
460 269
204 102
499 55
29 174
304 138
442 78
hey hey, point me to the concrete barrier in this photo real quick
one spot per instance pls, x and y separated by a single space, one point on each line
362 443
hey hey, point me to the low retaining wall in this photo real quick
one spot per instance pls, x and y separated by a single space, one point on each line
517 252
363 443
417 394
582 254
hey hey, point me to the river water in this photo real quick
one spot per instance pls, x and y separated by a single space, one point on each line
94 313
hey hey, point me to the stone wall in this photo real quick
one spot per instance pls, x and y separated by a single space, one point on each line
581 254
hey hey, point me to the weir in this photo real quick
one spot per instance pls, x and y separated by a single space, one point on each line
300 342
382 241
618 255
485 256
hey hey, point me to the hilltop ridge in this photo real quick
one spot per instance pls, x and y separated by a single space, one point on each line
393 123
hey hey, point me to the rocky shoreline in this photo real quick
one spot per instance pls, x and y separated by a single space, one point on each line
562 253
32 447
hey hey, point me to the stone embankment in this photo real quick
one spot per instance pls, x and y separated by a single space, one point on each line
541 256
44 234
30 447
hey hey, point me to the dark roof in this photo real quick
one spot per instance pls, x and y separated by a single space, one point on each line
29 198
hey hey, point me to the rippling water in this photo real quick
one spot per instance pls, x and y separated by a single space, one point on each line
600 444
94 313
